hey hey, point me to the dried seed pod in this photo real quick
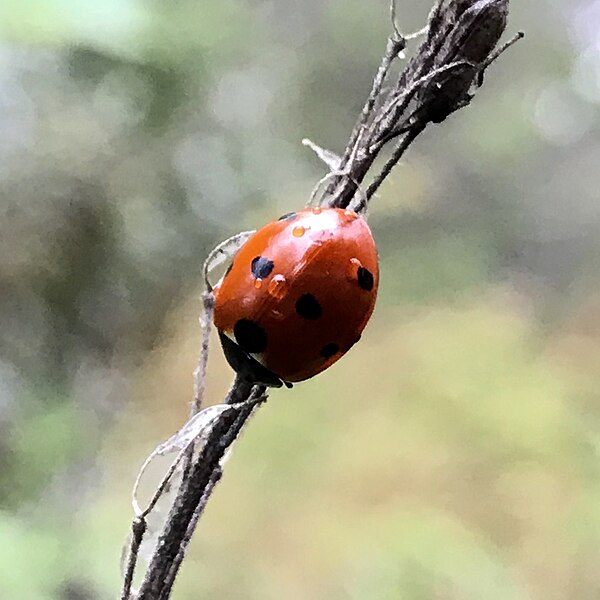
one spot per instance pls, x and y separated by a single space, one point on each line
471 40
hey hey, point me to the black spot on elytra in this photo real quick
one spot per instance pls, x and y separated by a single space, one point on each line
250 336
228 269
365 279
288 216
261 267
308 307
329 350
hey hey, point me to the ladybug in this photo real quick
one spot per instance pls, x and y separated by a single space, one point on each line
297 295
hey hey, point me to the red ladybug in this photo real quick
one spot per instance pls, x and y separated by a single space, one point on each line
297 295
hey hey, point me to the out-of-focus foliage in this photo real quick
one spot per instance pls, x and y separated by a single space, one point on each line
452 455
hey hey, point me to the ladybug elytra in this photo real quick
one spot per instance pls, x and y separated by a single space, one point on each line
297 295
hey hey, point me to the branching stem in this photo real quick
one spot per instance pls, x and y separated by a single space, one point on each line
459 44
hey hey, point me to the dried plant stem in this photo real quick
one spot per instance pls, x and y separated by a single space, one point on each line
442 77
460 43
206 317
174 567
401 148
138 528
195 491
395 46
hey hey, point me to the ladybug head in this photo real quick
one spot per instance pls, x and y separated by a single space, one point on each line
246 366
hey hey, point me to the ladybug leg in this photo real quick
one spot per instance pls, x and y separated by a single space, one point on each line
222 252
249 368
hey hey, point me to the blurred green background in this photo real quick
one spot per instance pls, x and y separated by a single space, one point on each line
452 455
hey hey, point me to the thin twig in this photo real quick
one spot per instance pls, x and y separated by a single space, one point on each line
185 542
206 318
138 528
395 45
406 141
497 53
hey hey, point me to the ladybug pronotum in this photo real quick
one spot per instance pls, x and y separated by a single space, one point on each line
297 295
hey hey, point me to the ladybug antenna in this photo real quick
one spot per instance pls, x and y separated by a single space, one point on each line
222 252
